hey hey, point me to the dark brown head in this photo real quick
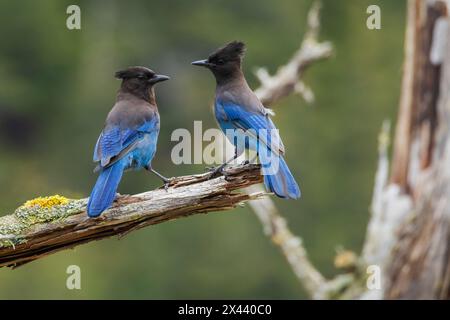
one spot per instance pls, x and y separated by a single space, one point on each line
139 80
225 62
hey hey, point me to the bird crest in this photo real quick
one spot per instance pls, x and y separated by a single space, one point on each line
232 51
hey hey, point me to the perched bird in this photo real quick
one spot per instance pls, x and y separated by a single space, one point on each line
128 139
238 109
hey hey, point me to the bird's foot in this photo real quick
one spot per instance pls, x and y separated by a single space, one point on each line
164 179
245 162
216 171
210 168
166 183
166 186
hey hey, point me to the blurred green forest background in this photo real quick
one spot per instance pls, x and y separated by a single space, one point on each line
57 85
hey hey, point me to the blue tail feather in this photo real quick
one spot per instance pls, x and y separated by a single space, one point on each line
104 191
282 183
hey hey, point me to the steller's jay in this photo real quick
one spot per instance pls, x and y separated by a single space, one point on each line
128 139
238 109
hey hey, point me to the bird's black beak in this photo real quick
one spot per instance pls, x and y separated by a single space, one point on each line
158 78
201 63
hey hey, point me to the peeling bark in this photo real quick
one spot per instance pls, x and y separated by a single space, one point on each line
64 227
413 210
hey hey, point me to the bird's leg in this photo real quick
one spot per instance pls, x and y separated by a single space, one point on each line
159 175
219 169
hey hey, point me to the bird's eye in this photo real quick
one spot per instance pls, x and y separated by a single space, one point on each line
220 61
141 76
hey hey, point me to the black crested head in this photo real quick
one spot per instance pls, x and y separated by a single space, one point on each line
139 80
225 62
231 52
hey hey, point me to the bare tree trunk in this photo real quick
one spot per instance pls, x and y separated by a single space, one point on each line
413 210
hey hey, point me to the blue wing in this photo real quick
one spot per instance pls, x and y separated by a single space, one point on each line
277 178
230 115
115 142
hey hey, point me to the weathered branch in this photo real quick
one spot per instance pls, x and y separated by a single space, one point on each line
287 80
33 232
275 226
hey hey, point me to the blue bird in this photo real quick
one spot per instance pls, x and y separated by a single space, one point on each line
246 122
128 139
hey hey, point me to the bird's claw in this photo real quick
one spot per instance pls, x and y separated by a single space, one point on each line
166 184
217 171
245 162
210 168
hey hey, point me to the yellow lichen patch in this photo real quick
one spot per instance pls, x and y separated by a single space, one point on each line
47 202
345 259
